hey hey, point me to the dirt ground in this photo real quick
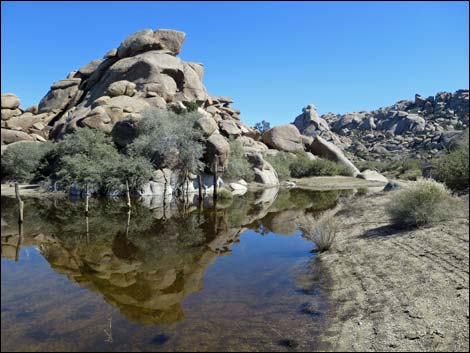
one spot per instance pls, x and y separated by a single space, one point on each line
397 290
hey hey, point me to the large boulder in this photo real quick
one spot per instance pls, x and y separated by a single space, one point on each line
321 147
207 125
284 137
147 39
10 101
10 136
121 88
217 149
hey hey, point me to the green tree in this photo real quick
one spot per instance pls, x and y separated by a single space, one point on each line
262 126
170 140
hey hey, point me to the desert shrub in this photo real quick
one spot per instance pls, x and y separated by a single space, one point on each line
453 168
88 157
169 140
322 231
302 166
238 166
192 106
21 161
424 202
224 194
281 163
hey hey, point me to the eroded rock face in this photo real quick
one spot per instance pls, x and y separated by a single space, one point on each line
284 138
309 123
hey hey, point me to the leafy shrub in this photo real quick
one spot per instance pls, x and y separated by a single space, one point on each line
299 165
408 168
322 231
21 161
281 163
238 166
169 140
453 169
302 166
425 202
87 157
192 106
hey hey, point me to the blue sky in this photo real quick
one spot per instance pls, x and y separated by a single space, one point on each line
273 58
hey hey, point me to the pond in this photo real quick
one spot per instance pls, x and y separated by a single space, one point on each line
172 277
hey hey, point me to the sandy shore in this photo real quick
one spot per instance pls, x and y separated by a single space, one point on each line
397 290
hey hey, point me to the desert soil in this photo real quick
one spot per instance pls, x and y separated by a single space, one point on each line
397 290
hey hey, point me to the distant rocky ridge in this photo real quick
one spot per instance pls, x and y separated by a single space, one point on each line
419 128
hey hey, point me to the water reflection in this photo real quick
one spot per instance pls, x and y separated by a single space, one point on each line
146 263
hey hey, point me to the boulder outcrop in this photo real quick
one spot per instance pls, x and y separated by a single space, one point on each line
284 138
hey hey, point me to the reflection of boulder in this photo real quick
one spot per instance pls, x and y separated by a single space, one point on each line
146 290
284 222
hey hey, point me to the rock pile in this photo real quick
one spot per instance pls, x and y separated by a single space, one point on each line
418 128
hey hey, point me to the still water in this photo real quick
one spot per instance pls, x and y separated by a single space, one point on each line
238 276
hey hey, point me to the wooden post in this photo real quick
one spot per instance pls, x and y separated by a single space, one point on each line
20 203
199 181
216 164
86 200
128 195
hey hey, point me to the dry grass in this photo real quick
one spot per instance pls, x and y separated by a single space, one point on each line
322 231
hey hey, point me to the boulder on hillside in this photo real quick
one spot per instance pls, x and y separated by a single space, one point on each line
308 123
10 136
372 175
10 101
284 137
147 39
217 149
321 147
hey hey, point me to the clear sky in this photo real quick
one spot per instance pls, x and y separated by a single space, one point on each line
273 58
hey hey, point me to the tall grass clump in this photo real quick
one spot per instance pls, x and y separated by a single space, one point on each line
425 202
453 168
322 231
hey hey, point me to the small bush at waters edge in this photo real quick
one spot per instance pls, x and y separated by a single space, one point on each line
423 203
299 165
322 231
